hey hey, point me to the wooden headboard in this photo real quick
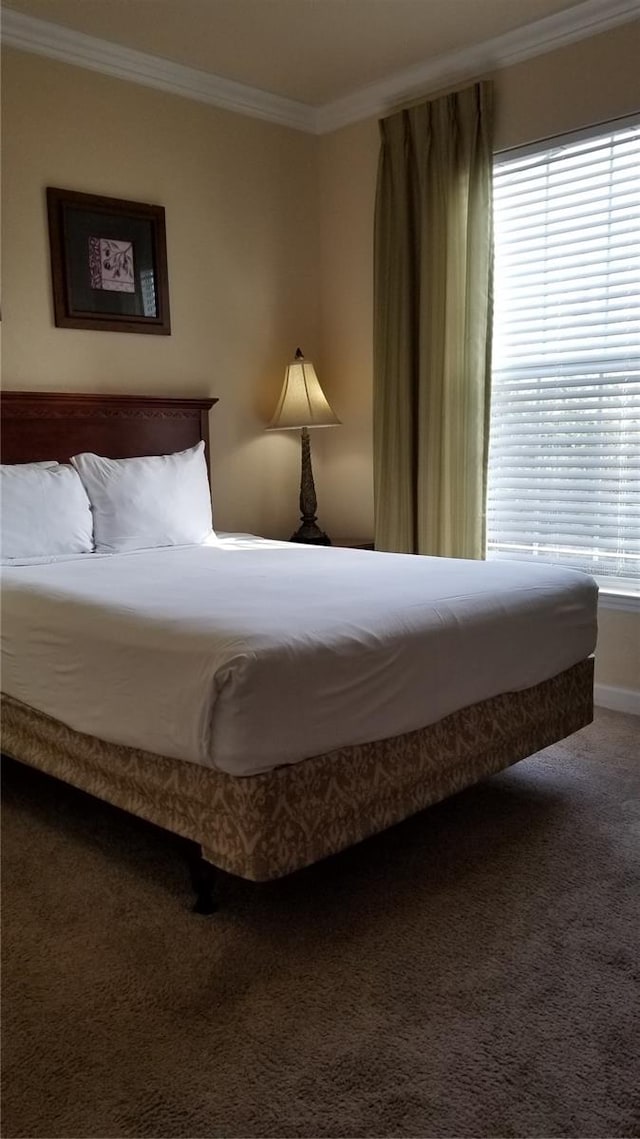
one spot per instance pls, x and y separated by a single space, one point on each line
56 425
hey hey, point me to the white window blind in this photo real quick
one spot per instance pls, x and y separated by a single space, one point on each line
564 458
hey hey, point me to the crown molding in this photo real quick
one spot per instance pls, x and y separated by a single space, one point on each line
577 23
26 33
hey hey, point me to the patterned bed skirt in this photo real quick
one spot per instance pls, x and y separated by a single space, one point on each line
265 826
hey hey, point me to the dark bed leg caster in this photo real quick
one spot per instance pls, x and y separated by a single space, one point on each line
203 879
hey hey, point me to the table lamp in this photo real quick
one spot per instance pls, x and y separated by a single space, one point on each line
302 405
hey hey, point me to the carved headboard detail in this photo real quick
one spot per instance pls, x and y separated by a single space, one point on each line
57 425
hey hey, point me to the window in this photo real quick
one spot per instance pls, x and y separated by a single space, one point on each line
564 459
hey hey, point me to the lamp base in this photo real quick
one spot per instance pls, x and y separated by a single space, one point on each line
308 532
311 535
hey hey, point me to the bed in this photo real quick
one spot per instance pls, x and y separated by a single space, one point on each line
276 778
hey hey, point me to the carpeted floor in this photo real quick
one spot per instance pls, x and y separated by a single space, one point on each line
472 972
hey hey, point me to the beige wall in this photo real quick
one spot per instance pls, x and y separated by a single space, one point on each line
269 237
618 656
588 82
348 164
240 201
585 83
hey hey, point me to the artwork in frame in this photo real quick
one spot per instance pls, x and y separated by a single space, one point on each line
108 263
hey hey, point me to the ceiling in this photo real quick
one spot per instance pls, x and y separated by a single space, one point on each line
311 51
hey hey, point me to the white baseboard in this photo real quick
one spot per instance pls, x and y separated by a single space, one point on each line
617 699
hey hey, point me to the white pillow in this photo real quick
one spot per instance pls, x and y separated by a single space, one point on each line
156 500
45 511
44 463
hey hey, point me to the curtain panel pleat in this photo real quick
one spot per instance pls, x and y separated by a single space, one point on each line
432 325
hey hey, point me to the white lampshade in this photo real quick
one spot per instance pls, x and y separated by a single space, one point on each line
302 401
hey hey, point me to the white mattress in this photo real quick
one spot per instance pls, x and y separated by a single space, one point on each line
248 654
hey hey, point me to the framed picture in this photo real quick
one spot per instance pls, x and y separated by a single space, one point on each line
108 263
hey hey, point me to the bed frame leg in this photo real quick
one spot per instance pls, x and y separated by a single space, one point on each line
203 878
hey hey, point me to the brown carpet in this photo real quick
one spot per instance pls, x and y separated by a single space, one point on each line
472 972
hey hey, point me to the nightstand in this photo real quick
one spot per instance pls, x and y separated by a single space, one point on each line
343 543
353 544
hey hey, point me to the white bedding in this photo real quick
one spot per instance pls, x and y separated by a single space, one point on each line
246 654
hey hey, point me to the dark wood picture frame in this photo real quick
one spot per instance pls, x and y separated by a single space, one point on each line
108 263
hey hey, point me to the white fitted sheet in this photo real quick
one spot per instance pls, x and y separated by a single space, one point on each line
246 654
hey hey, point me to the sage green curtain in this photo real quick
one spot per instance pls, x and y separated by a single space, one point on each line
432 325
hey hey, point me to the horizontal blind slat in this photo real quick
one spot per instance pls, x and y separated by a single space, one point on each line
533 371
